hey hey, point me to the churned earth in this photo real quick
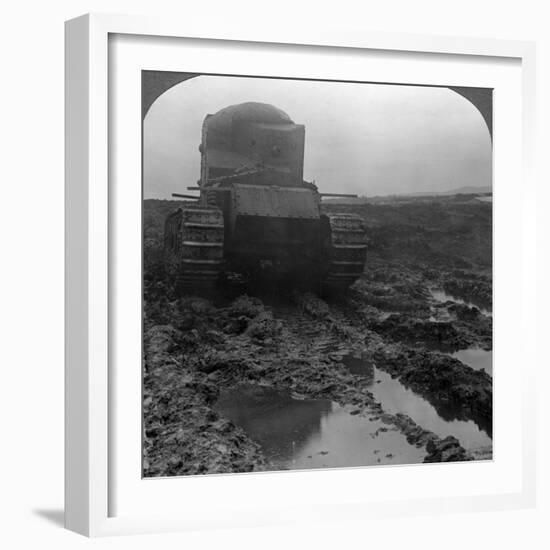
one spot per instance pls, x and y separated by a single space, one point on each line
261 377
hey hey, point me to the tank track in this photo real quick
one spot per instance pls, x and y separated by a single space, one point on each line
195 235
347 251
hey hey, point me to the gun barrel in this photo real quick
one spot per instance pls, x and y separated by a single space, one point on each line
180 196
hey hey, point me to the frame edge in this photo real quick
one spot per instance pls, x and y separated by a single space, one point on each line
85 70
77 365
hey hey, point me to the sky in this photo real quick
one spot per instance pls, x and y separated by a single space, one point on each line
368 139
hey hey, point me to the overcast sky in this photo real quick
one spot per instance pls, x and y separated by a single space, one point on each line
369 139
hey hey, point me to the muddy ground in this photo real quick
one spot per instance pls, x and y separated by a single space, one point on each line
294 340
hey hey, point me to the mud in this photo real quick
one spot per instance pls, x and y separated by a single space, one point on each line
297 341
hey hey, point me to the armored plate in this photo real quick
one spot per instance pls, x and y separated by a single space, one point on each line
276 202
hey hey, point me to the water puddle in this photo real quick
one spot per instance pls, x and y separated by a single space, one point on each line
476 358
396 398
313 433
443 297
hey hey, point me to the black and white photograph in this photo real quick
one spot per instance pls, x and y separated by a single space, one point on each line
275 275
317 274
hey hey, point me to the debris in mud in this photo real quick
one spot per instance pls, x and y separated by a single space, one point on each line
245 306
463 312
264 327
214 360
422 333
446 450
312 305
474 289
441 379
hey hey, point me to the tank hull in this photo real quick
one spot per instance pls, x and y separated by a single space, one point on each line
284 245
256 213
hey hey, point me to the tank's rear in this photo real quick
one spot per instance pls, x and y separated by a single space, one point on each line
256 211
277 227
252 159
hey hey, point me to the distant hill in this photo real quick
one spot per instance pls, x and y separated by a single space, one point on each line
466 190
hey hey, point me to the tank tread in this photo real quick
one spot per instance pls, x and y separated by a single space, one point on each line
197 249
203 225
347 251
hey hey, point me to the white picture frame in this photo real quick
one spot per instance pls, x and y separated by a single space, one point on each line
91 218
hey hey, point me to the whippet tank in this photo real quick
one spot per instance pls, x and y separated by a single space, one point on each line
256 212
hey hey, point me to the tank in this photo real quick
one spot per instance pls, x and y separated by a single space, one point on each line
255 212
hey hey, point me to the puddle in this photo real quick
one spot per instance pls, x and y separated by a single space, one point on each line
313 433
476 358
442 296
396 398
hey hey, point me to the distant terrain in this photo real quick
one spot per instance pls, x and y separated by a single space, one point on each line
467 190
